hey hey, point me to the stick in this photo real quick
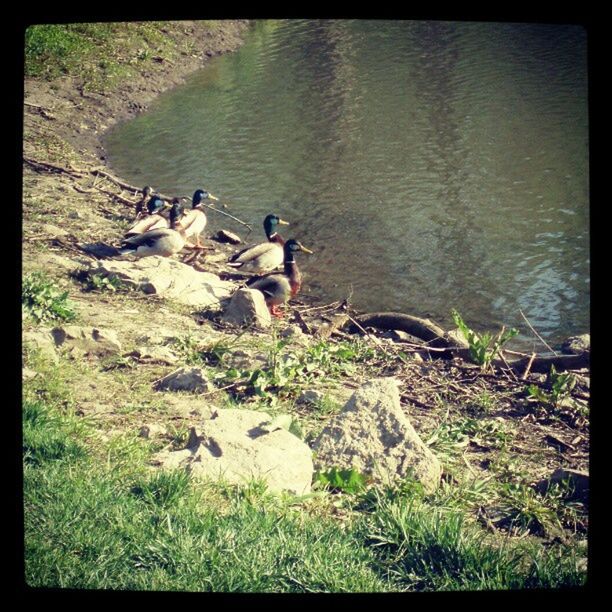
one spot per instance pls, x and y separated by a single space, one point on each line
536 333
221 212
526 372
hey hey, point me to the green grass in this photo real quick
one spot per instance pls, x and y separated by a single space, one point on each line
115 524
98 53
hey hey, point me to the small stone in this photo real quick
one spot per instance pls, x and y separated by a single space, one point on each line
310 396
185 379
154 429
88 341
247 308
576 345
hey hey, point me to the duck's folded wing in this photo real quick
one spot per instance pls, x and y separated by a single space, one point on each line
147 224
253 252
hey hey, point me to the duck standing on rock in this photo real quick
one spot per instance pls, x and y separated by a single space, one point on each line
154 220
165 241
279 288
265 256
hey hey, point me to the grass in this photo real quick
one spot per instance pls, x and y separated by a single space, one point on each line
98 53
116 524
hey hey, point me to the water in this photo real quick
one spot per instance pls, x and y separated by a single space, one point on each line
429 165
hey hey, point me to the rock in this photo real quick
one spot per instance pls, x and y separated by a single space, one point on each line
28 374
454 337
227 237
154 354
168 278
43 342
576 345
372 435
247 307
294 334
236 447
185 379
88 341
310 396
152 430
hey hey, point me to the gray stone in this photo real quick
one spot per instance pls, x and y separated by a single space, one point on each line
576 345
42 341
154 354
373 435
185 379
454 337
235 446
88 341
247 308
310 396
168 278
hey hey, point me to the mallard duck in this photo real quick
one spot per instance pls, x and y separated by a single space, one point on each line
195 219
265 256
165 241
279 287
154 220
140 205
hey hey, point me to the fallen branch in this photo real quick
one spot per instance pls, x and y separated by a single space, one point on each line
48 167
543 363
421 328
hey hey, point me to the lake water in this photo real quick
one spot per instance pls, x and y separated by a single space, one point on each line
429 165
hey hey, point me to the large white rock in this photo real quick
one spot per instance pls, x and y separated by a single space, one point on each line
168 278
237 446
247 307
373 436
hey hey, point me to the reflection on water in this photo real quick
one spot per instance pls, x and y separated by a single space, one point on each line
430 165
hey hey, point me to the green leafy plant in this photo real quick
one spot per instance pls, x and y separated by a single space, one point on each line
43 300
483 347
560 384
347 481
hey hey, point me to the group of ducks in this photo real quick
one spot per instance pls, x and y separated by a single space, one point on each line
155 234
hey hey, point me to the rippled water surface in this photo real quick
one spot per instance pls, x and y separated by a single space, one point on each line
430 165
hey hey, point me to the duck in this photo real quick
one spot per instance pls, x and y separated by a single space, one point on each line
147 191
278 288
263 257
195 219
164 241
154 219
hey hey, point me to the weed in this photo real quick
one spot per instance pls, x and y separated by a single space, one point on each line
483 347
346 481
560 384
43 300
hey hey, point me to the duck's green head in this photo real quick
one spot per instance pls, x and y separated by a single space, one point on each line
155 205
271 222
200 195
147 190
293 246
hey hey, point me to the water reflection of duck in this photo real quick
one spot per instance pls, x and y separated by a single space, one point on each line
154 219
265 256
165 241
278 287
